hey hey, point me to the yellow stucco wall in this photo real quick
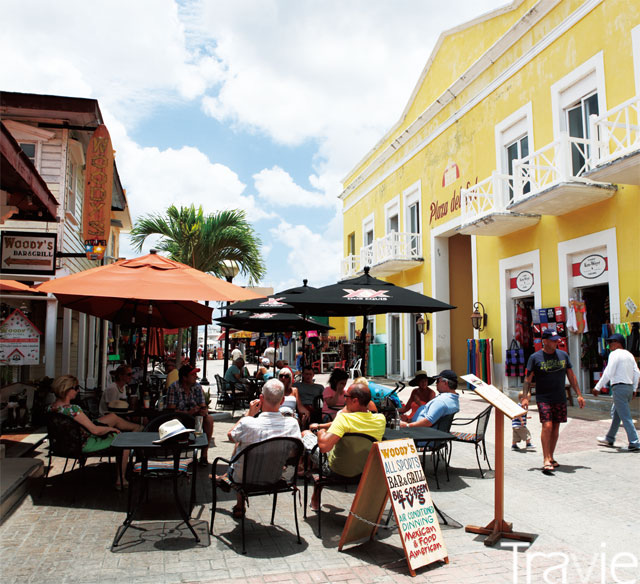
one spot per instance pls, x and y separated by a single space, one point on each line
470 143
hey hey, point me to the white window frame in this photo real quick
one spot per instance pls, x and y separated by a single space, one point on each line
635 49
512 128
410 196
26 134
582 81
368 224
391 209
73 193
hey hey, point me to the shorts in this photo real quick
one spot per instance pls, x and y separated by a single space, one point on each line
556 413
97 443
520 434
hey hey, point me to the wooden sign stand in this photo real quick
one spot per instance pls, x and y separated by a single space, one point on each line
396 464
498 528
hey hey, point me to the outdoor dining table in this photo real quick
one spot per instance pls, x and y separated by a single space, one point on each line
142 445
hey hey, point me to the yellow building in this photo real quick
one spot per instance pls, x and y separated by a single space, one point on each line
512 179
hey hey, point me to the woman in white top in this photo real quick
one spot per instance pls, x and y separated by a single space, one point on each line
291 397
116 390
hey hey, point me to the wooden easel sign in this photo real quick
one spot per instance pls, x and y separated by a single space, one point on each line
397 463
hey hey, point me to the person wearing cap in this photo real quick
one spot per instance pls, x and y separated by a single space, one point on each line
623 375
549 367
445 403
117 390
186 396
263 368
269 424
419 396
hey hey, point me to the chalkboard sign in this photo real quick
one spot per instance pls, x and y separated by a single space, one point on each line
397 463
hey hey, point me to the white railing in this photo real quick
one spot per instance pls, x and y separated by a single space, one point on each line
615 133
393 246
563 160
486 197
349 266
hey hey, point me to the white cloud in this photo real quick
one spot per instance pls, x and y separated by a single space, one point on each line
277 187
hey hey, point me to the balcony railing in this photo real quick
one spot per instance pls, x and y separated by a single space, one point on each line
486 197
564 160
616 133
397 251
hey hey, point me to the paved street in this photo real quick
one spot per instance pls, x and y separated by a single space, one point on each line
585 518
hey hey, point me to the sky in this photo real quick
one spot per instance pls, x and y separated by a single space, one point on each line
261 105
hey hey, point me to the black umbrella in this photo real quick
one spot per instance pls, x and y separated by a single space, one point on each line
274 302
364 295
271 322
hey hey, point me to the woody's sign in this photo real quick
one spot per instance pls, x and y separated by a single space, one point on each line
96 219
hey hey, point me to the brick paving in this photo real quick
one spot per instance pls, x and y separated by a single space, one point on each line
583 516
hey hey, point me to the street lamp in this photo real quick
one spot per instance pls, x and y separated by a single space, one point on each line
422 324
229 270
479 319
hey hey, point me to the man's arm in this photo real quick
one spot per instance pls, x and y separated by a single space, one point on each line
573 381
327 440
526 389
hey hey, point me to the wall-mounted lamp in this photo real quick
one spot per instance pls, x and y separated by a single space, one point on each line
479 319
422 324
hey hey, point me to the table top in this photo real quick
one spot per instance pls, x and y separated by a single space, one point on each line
417 433
145 440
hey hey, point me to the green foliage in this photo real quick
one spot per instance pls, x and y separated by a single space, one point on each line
204 241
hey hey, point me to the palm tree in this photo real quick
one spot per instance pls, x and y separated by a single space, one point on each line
203 242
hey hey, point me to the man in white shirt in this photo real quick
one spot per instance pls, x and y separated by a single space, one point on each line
269 424
622 374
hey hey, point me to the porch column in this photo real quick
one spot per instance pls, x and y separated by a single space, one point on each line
82 348
66 341
51 326
91 354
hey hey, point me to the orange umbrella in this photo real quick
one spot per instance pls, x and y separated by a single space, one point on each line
151 277
14 286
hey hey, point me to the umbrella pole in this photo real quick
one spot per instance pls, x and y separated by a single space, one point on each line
204 380
363 338
145 361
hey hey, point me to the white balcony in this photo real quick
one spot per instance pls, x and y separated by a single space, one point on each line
484 208
551 181
615 155
393 253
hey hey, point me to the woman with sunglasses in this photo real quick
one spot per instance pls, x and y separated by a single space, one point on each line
291 397
96 436
117 390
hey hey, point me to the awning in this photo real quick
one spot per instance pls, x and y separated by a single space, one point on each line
18 177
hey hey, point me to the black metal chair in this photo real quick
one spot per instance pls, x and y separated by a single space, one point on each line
439 449
66 437
231 396
358 446
477 438
265 468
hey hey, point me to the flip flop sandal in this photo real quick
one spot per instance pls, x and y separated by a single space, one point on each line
555 463
548 469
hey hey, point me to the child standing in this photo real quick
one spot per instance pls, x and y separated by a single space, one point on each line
519 428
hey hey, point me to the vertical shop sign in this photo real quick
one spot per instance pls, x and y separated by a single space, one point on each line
19 340
96 218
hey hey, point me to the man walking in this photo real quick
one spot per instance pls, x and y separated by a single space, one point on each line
550 366
622 374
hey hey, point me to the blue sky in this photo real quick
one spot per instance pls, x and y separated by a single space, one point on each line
263 105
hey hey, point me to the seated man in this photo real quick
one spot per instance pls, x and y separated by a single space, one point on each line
356 418
269 424
235 374
307 389
186 396
445 403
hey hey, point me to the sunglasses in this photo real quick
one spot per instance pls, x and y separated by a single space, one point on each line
76 387
284 376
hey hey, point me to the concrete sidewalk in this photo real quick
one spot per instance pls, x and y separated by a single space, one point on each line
584 516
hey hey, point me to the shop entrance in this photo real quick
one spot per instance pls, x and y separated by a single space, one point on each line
520 328
597 312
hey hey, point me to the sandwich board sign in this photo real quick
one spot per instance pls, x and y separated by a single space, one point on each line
397 463
19 340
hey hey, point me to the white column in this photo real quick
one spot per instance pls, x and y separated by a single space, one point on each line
66 341
91 354
51 326
82 348
103 357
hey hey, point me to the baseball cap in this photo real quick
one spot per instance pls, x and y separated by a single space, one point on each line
447 374
186 370
616 338
551 334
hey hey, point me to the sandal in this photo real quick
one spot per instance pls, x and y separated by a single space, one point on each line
237 512
548 468
555 463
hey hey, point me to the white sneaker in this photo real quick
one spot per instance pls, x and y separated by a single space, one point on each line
630 448
602 440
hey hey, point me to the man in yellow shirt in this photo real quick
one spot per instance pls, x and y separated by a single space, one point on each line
357 418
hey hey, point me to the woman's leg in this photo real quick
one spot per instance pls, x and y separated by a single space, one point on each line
116 421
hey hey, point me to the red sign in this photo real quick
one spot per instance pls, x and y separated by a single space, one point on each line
96 219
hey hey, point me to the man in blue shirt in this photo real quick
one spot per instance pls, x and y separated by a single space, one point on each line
445 403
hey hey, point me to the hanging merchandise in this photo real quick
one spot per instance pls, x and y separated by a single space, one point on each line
523 331
514 361
634 340
577 317
480 359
